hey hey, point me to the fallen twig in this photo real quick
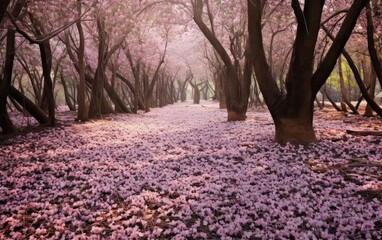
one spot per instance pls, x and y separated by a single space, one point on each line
364 133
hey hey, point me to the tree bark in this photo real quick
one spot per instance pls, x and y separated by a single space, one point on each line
292 113
46 60
183 91
372 85
196 92
371 45
96 108
117 101
5 84
6 123
83 110
3 8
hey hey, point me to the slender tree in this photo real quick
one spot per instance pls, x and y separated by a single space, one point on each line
237 77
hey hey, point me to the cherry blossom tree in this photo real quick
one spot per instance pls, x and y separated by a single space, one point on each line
6 73
293 112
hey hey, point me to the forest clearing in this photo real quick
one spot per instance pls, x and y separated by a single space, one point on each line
184 172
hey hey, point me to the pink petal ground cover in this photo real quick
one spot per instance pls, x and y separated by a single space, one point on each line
183 172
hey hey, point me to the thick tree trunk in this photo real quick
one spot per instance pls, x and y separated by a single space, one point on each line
298 130
293 113
5 84
150 85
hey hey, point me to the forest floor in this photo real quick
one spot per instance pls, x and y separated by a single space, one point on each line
184 172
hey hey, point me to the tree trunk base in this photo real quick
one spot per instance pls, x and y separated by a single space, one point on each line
234 116
7 126
294 131
222 105
368 111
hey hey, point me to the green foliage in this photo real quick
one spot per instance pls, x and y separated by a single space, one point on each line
334 78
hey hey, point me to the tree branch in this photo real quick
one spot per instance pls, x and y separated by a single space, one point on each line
43 38
327 65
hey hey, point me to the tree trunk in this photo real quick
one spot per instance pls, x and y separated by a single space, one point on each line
219 88
235 90
183 91
96 108
373 82
5 84
344 95
46 59
196 92
342 87
137 85
3 8
371 45
145 90
67 96
133 90
120 106
83 109
297 130
293 113
31 108
331 100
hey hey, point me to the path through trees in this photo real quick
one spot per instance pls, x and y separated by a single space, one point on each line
184 171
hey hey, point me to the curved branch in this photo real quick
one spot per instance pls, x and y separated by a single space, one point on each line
267 83
357 77
43 38
324 70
